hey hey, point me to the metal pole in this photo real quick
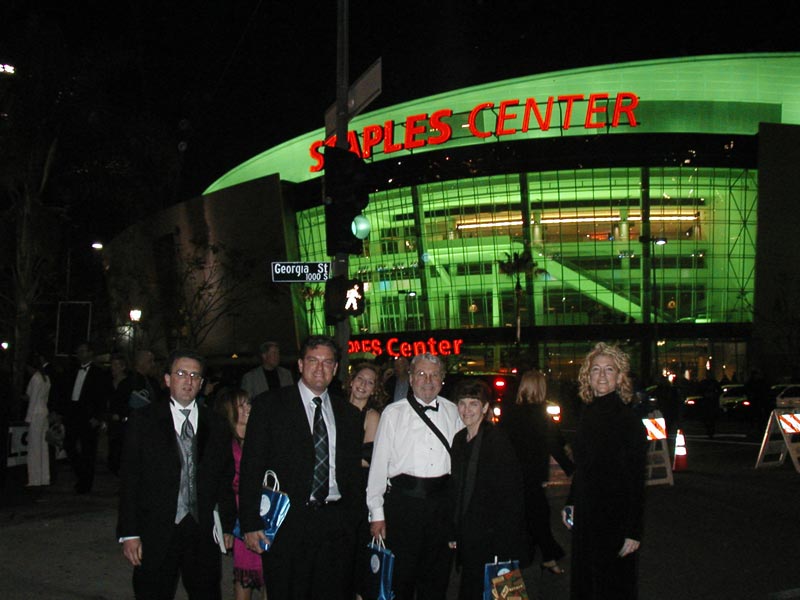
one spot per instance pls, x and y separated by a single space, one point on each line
341 260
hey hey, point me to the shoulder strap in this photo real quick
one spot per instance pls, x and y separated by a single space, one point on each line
418 409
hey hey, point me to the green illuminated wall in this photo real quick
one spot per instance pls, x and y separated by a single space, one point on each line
588 268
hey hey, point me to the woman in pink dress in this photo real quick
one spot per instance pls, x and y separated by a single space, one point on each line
247 570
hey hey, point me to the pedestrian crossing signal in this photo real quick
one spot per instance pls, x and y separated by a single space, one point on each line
343 298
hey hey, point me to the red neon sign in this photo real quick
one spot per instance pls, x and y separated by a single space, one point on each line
513 116
396 347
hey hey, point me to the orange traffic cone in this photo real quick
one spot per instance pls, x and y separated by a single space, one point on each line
679 463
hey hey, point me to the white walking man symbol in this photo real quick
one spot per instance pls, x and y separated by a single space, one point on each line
352 298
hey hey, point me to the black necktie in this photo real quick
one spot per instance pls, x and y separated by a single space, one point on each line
431 406
319 488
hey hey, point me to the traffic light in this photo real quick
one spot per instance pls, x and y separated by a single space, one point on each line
346 195
343 298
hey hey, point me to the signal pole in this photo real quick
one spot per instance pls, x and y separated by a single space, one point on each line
341 262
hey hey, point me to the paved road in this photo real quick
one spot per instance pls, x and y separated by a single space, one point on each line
725 530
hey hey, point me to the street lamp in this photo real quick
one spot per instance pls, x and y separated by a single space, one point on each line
135 315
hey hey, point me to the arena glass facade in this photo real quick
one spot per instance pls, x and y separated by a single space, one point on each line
538 215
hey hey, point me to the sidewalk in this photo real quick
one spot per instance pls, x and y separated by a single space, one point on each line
61 545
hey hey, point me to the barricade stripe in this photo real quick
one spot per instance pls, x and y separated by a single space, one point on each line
656 429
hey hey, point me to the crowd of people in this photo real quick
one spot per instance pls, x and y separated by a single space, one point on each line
381 456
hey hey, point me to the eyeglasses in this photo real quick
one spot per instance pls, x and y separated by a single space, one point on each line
327 363
427 374
193 375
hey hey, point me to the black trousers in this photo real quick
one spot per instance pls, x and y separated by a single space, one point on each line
80 443
417 531
192 556
317 563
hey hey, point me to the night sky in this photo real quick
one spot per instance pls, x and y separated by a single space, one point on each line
227 79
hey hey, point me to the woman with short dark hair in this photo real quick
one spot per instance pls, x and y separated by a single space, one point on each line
487 492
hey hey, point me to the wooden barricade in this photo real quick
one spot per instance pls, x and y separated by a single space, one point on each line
781 438
659 466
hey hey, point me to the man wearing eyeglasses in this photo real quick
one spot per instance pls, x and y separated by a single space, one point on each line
176 467
311 437
407 489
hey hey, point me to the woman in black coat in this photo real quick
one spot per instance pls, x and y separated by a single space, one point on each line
535 437
487 492
605 506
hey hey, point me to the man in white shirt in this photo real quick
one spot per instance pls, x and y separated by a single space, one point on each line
407 490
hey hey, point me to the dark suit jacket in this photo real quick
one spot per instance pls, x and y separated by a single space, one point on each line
279 438
492 522
95 394
151 472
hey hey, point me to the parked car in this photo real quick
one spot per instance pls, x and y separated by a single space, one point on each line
691 405
789 397
734 401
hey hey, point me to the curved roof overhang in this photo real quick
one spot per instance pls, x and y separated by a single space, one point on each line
711 95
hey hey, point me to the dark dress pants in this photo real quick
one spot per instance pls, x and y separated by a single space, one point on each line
417 531
80 444
317 563
192 556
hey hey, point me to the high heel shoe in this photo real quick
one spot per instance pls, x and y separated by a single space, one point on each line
554 568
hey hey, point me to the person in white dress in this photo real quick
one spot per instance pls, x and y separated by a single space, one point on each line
37 392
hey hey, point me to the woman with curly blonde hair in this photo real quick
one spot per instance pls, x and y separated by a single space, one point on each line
605 505
624 385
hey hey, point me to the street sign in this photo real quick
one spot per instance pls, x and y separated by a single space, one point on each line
359 95
293 272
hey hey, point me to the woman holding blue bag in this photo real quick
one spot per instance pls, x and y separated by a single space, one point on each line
247 570
487 493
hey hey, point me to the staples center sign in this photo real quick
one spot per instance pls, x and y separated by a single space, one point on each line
513 116
396 347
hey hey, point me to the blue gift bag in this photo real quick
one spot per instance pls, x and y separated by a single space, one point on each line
494 570
377 584
274 507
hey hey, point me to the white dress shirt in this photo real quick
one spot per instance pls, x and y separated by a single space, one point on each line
178 417
405 444
79 379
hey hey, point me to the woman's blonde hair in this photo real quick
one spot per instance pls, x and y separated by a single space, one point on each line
532 388
622 363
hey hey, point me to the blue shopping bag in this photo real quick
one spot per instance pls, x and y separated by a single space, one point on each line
491 571
377 583
274 507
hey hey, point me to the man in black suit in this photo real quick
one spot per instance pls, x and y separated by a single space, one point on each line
177 465
83 406
313 552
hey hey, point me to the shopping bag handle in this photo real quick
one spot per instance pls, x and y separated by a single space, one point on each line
276 486
379 543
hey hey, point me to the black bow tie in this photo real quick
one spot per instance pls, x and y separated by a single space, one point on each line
431 406
85 367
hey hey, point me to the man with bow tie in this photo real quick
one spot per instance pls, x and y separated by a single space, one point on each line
83 407
407 490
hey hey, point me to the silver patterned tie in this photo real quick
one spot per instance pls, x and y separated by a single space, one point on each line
319 488
187 435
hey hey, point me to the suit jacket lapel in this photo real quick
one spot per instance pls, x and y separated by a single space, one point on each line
203 426
166 426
